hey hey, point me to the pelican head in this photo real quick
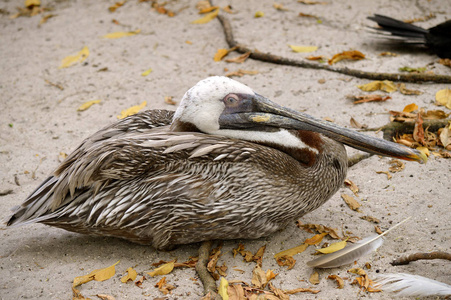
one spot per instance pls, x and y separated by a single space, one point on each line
222 106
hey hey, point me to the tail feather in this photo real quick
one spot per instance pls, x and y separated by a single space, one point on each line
406 31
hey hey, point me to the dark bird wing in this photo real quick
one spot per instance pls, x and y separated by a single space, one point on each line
399 30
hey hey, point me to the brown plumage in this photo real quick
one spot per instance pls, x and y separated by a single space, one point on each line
147 180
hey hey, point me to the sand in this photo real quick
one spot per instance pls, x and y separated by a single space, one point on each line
39 121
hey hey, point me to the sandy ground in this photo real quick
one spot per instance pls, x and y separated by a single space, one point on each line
37 261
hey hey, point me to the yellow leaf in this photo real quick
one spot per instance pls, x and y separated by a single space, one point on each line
315 239
351 202
222 290
147 72
121 34
424 150
259 14
333 247
87 105
207 18
163 270
30 3
386 86
292 251
443 97
270 275
131 275
132 110
97 275
73 59
410 108
352 55
303 49
220 54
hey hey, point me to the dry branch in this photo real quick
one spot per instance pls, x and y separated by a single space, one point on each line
417 256
275 59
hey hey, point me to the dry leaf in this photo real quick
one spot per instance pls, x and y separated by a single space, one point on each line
352 55
259 255
301 290
319 228
314 278
334 247
259 279
356 124
259 14
386 173
223 287
116 5
73 59
443 97
410 108
87 105
403 90
445 136
352 186
208 9
338 279
132 110
320 58
370 219
146 72
168 100
105 297
163 270
236 292
369 98
270 275
164 287
445 62
423 150
131 275
279 6
351 202
241 73
418 131
310 2
396 166
121 34
220 54
207 18
139 282
97 275
315 239
239 59
45 18
293 251
386 86
303 49
286 260
228 9
388 54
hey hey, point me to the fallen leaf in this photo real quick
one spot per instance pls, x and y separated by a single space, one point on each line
418 131
132 110
45 18
164 287
228 9
270 275
388 54
116 5
320 58
303 49
443 97
308 16
131 275
334 247
338 279
445 62
369 98
188 42
223 287
146 72
168 100
445 136
293 251
139 282
163 270
220 54
279 6
352 186
76 295
73 59
351 202
315 239
88 104
356 124
396 166
386 86
319 228
258 256
386 173
423 150
286 260
241 73
31 3
207 18
159 8
97 275
405 91
314 278
259 279
301 290
239 59
310 2
121 34
208 9
259 14
410 108
352 55
370 219
105 297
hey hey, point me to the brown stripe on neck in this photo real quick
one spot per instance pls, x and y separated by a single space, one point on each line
180 126
310 138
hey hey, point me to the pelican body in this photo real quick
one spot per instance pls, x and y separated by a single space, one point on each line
228 164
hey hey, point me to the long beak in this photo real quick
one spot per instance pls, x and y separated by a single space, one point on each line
268 113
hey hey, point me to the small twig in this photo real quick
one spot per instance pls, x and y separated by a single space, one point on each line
417 256
201 269
271 58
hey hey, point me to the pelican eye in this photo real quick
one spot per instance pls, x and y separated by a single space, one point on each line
231 100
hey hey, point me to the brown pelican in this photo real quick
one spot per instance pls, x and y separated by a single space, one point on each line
228 164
